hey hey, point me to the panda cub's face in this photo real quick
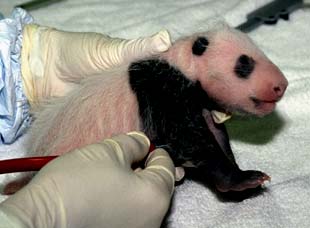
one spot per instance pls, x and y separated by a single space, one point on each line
236 74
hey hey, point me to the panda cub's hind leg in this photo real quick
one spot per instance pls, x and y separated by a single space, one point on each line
227 175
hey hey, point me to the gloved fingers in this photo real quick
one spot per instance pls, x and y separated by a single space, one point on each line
160 166
179 173
161 41
129 148
115 51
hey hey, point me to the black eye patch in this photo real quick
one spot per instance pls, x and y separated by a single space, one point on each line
244 66
200 46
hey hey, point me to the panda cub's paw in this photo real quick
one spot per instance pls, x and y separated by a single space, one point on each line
242 180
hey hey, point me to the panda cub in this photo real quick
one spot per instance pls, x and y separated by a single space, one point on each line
171 98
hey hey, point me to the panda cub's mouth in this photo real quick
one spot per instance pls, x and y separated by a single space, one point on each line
257 102
263 107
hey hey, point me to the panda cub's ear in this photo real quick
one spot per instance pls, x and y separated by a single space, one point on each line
200 45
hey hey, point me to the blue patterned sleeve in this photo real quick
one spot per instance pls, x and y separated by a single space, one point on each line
14 107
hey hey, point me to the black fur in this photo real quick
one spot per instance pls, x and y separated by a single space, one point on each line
170 106
244 66
200 46
171 109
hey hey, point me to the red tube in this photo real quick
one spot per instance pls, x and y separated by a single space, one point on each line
24 164
30 163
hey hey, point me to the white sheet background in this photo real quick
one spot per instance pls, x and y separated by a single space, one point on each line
278 144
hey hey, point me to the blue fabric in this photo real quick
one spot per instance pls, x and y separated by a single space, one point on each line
14 107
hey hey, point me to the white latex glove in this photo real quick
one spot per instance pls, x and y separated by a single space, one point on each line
96 187
53 61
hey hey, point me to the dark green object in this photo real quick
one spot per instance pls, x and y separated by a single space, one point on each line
36 4
271 13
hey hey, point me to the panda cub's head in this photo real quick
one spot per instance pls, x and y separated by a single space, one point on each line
231 69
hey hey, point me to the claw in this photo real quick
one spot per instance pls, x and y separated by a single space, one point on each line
244 180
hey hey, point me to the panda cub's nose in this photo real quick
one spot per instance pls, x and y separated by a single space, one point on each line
280 89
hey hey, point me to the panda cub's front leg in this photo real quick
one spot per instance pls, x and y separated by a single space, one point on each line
220 163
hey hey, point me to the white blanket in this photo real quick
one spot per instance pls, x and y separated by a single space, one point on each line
278 144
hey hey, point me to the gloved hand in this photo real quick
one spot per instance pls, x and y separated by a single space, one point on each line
53 61
96 187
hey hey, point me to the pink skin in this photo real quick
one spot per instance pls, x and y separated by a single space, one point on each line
105 105
94 112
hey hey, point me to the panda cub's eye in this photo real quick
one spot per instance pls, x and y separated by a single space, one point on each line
244 66
200 45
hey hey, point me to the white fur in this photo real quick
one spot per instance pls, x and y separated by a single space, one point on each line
101 106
